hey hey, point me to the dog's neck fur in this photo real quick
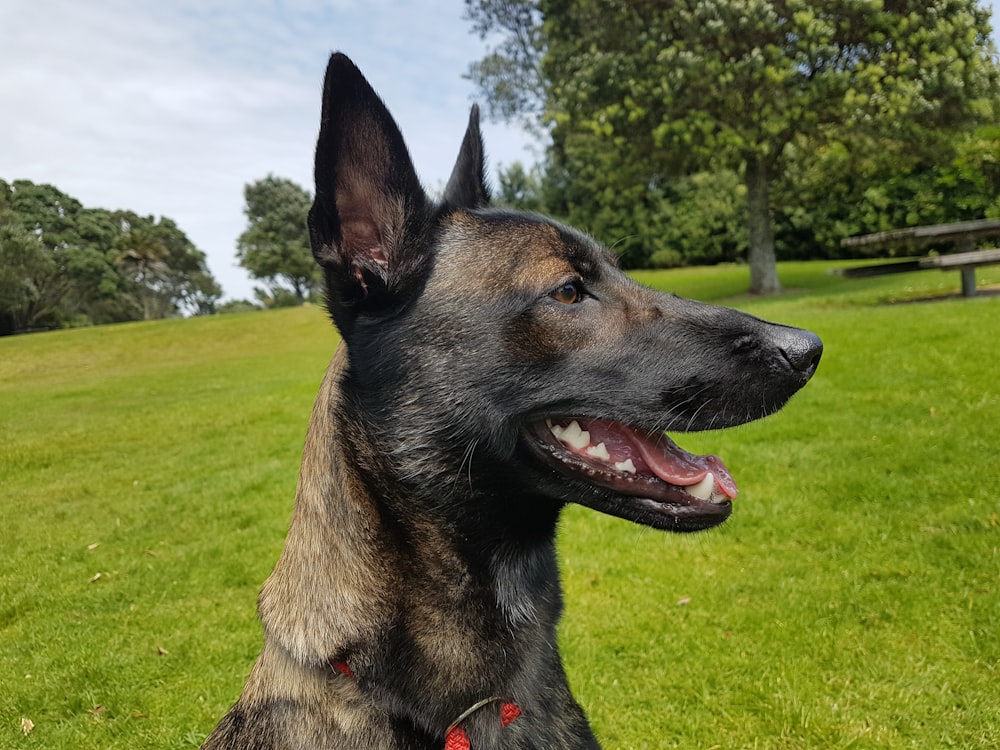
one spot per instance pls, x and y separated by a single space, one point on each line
353 604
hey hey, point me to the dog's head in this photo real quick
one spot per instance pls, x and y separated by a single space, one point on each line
508 355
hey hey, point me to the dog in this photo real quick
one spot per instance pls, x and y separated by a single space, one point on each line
493 367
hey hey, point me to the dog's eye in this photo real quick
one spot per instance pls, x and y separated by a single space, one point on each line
569 293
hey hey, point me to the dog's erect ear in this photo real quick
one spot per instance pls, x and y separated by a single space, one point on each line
467 186
369 217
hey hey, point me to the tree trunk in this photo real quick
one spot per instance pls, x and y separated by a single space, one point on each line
763 267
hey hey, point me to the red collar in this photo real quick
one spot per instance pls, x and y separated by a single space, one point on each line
455 737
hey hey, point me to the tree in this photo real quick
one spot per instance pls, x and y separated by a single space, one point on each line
23 262
167 273
671 87
520 188
511 74
275 246
237 306
59 288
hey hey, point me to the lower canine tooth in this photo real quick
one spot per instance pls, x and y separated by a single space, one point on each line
703 490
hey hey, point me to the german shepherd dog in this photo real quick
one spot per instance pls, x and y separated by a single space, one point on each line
494 366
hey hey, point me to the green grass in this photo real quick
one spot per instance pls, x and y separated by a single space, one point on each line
147 474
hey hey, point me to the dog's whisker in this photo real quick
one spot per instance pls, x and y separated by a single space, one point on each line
620 240
467 462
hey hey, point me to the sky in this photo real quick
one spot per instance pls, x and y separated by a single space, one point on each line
169 107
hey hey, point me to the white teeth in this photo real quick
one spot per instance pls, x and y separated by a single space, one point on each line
579 439
704 489
599 451
625 466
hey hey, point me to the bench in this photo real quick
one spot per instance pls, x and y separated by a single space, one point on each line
962 235
966 263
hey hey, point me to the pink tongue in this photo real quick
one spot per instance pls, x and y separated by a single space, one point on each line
673 464
665 458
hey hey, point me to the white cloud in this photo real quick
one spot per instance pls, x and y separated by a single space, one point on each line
170 108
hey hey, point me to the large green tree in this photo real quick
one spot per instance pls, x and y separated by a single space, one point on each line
275 246
663 88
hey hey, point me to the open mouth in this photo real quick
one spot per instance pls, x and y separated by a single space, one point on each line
654 481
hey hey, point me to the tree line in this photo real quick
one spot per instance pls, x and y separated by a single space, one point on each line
63 265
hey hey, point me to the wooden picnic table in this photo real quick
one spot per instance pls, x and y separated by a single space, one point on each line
962 235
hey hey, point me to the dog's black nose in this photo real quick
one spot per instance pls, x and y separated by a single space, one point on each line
802 349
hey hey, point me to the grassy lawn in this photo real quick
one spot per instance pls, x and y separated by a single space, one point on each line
147 474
